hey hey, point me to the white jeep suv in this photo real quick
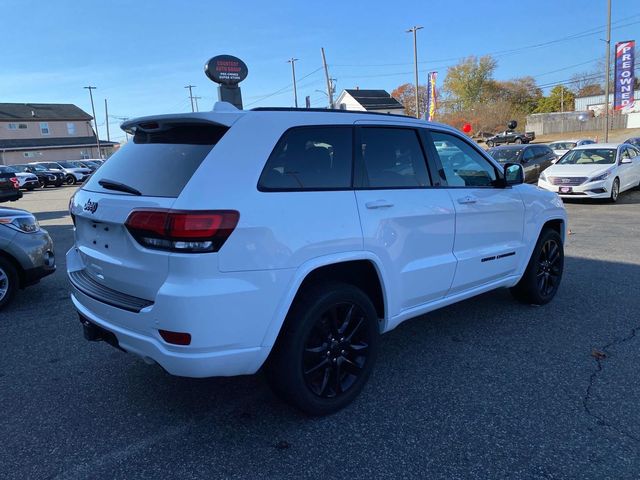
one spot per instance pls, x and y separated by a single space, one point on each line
218 242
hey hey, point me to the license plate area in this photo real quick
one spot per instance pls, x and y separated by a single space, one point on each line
566 189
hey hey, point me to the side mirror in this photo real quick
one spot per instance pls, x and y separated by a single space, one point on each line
513 174
625 160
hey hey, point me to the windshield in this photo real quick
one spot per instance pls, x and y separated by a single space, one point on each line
595 156
4 169
504 155
37 168
68 165
562 145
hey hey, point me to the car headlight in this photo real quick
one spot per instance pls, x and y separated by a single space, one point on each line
23 223
601 176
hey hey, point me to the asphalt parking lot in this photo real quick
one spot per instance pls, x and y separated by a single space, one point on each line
487 388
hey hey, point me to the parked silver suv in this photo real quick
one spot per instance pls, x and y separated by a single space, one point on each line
26 252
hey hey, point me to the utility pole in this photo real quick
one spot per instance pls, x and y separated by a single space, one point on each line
293 61
95 120
414 30
607 73
195 99
326 76
106 115
191 95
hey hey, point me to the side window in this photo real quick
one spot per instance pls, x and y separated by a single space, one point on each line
391 158
310 158
463 166
528 155
625 154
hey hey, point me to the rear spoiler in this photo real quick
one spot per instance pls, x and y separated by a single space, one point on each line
221 115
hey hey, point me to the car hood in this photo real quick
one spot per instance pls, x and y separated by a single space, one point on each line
585 170
5 211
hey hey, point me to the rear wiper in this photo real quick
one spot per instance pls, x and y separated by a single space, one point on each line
113 185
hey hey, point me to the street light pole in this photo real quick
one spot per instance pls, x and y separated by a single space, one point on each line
607 73
293 61
95 120
414 30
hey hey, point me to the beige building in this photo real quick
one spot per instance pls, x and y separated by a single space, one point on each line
34 132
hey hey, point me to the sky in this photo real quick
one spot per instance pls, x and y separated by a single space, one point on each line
141 54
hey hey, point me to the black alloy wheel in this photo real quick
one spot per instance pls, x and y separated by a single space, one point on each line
549 268
336 350
541 279
326 350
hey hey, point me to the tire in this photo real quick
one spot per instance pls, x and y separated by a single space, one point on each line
543 274
517 141
615 190
58 184
326 349
8 282
30 188
70 180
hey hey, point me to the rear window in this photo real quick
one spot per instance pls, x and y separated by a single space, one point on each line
504 155
159 164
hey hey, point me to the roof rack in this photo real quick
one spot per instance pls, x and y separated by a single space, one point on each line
327 110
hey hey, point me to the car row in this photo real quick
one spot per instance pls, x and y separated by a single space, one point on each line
44 174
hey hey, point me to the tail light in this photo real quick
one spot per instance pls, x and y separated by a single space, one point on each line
182 231
16 182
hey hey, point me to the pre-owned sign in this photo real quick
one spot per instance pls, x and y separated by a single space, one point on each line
226 70
625 59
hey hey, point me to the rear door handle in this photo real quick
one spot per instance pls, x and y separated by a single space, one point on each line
378 204
467 200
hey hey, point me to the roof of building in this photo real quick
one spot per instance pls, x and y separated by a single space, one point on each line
41 111
374 99
44 143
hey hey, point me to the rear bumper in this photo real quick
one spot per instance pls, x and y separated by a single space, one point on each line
226 314
181 363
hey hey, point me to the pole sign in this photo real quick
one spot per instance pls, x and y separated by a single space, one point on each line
625 53
226 70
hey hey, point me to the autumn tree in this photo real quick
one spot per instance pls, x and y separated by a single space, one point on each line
560 99
405 94
470 81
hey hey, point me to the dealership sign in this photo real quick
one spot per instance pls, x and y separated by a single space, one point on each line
226 70
625 53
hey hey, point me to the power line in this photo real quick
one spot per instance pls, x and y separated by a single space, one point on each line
584 33
283 89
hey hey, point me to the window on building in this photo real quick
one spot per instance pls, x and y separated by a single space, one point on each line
44 128
31 154
16 126
71 128
84 154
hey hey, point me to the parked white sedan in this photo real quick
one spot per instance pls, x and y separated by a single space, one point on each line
563 146
600 170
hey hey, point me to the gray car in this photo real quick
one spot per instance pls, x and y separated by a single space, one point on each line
26 252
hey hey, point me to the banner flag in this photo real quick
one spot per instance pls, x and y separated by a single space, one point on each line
624 77
432 99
